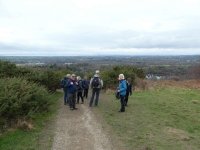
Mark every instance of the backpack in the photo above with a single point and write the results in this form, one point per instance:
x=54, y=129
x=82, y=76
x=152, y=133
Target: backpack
x=85, y=84
x=95, y=82
x=117, y=94
x=127, y=87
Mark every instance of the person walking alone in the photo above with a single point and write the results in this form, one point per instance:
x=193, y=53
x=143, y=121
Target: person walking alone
x=96, y=84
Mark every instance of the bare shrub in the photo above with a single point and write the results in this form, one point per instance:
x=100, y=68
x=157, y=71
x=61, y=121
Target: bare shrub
x=141, y=84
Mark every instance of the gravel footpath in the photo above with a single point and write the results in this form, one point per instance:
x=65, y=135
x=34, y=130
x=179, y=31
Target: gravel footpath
x=79, y=130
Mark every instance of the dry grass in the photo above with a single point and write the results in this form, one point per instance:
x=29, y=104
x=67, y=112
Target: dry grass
x=196, y=101
x=24, y=125
x=177, y=133
x=191, y=84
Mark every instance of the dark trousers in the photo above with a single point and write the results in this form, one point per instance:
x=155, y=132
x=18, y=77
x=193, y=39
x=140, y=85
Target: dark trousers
x=95, y=92
x=126, y=99
x=85, y=93
x=122, y=100
x=72, y=100
x=80, y=95
x=65, y=97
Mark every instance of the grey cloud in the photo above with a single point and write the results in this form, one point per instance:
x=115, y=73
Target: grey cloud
x=70, y=30
x=182, y=39
x=130, y=39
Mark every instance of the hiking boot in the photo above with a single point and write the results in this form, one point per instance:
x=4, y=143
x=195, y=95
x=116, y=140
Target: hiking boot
x=121, y=111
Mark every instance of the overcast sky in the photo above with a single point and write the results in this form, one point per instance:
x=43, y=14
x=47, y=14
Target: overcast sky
x=99, y=27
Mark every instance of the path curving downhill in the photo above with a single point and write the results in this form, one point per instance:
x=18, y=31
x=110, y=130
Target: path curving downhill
x=79, y=130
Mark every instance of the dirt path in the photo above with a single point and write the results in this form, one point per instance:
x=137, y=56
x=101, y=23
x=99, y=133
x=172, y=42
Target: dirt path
x=79, y=130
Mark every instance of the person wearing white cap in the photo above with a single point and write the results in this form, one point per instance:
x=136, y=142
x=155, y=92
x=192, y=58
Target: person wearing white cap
x=96, y=83
x=122, y=91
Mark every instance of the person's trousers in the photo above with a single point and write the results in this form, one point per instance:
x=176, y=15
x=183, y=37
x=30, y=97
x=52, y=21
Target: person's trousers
x=85, y=93
x=65, y=97
x=80, y=95
x=122, y=100
x=95, y=92
x=126, y=99
x=72, y=100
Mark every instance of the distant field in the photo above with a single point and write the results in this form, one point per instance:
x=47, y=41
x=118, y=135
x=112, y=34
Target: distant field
x=159, y=119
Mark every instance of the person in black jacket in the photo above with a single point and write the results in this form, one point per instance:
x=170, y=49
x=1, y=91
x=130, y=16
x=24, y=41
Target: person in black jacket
x=86, y=84
x=80, y=90
x=128, y=91
x=96, y=83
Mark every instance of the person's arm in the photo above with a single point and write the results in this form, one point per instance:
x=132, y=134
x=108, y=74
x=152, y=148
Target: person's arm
x=65, y=83
x=91, y=82
x=82, y=85
x=130, y=89
x=101, y=83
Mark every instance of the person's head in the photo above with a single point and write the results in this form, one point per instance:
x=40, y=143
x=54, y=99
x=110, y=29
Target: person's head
x=97, y=72
x=73, y=77
x=78, y=78
x=85, y=77
x=129, y=80
x=68, y=75
x=121, y=77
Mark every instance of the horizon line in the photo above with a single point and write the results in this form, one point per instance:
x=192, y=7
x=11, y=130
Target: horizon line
x=96, y=55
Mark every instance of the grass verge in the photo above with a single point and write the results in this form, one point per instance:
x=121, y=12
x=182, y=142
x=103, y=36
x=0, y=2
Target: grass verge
x=162, y=119
x=40, y=137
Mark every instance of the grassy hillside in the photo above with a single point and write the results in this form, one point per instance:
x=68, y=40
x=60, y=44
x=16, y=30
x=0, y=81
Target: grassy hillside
x=162, y=119
x=39, y=138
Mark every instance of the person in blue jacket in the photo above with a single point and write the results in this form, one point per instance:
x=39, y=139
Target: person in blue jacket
x=71, y=92
x=65, y=82
x=122, y=91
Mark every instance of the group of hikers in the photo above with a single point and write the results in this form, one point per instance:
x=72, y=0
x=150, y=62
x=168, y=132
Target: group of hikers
x=76, y=88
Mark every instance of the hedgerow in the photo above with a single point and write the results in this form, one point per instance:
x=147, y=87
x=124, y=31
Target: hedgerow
x=46, y=77
x=20, y=98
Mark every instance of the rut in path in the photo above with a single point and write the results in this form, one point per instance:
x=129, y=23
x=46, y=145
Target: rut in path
x=79, y=130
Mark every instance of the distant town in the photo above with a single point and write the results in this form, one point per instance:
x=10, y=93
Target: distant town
x=155, y=67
